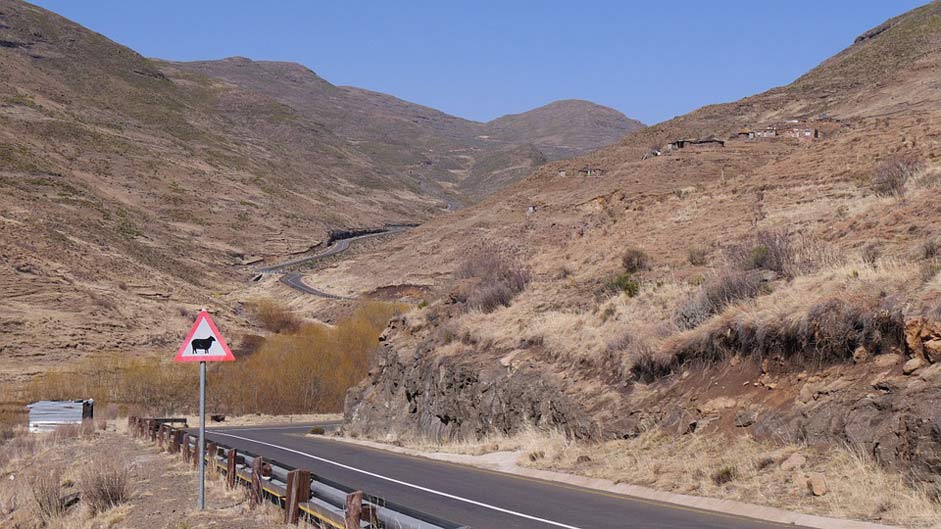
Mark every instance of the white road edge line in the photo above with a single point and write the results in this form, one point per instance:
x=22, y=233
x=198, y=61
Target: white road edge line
x=253, y=428
x=404, y=483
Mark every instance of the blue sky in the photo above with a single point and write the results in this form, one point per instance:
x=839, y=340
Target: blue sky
x=483, y=59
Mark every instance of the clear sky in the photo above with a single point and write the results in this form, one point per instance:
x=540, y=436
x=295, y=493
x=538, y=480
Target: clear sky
x=651, y=60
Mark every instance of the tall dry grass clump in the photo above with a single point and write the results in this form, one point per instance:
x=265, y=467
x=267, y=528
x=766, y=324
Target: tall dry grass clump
x=497, y=276
x=45, y=488
x=105, y=483
x=717, y=293
x=889, y=178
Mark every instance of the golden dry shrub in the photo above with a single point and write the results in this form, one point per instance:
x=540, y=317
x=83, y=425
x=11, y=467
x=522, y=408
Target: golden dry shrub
x=275, y=317
x=307, y=368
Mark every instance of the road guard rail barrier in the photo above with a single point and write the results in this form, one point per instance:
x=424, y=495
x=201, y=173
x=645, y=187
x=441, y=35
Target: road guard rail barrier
x=301, y=494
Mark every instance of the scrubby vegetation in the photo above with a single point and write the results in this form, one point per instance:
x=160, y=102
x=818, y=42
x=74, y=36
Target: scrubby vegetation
x=104, y=484
x=635, y=260
x=624, y=282
x=497, y=276
x=299, y=368
x=890, y=177
x=717, y=293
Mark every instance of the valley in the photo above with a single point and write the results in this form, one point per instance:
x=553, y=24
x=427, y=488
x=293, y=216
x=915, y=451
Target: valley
x=741, y=303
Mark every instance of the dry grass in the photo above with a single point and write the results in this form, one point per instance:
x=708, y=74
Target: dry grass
x=274, y=317
x=307, y=370
x=105, y=483
x=738, y=468
x=890, y=177
x=45, y=487
x=497, y=277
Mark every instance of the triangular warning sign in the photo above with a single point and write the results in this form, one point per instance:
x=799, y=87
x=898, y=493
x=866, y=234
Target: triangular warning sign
x=204, y=343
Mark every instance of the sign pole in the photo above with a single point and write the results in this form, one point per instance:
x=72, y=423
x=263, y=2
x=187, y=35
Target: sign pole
x=201, y=498
x=203, y=344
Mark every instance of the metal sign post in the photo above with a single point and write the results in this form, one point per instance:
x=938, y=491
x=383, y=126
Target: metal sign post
x=203, y=344
x=201, y=496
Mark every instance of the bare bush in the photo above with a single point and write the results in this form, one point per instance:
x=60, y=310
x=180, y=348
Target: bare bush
x=635, y=260
x=698, y=255
x=716, y=294
x=650, y=364
x=275, y=317
x=929, y=249
x=780, y=252
x=890, y=176
x=17, y=444
x=725, y=474
x=307, y=371
x=499, y=277
x=104, y=484
x=249, y=345
x=45, y=487
x=828, y=332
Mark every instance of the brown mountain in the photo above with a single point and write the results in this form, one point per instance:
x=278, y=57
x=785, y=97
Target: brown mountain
x=565, y=128
x=134, y=190
x=787, y=275
x=444, y=152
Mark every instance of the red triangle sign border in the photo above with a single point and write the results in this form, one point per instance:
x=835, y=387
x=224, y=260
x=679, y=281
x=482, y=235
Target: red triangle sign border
x=181, y=357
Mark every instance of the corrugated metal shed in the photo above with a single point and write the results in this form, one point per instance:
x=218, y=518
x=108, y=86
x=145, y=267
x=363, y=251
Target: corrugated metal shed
x=47, y=415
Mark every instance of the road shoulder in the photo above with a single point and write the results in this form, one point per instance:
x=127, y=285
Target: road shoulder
x=506, y=462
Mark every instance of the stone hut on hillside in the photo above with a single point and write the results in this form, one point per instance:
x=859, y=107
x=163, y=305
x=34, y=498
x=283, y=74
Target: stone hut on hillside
x=590, y=171
x=703, y=142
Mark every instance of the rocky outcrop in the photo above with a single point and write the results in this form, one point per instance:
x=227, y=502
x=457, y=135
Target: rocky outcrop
x=418, y=393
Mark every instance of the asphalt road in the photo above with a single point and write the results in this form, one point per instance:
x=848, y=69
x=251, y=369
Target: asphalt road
x=295, y=280
x=478, y=498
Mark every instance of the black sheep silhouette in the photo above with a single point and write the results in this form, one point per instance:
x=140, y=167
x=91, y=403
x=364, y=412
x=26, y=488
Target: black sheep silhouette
x=203, y=344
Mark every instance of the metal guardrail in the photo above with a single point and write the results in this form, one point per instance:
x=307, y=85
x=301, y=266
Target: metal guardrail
x=302, y=495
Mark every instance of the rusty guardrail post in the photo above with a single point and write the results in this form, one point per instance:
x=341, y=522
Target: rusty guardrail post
x=130, y=423
x=255, y=491
x=186, y=448
x=354, y=509
x=230, y=468
x=152, y=429
x=211, y=450
x=160, y=434
x=298, y=491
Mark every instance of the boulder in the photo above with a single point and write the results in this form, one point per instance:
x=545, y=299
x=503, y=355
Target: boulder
x=795, y=461
x=912, y=366
x=861, y=354
x=745, y=418
x=717, y=404
x=888, y=360
x=933, y=350
x=817, y=484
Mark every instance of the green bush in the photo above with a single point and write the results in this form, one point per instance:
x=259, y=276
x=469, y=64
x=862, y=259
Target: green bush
x=625, y=282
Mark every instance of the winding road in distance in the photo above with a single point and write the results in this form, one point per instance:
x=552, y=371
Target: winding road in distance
x=296, y=280
x=475, y=497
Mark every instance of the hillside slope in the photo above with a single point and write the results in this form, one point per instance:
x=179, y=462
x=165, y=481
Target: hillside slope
x=164, y=179
x=444, y=152
x=790, y=288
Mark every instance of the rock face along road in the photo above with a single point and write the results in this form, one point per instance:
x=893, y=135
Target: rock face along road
x=478, y=498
